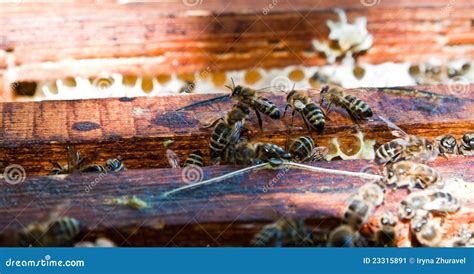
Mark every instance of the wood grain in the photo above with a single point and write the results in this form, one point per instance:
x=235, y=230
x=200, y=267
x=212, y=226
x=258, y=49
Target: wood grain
x=224, y=214
x=215, y=36
x=35, y=133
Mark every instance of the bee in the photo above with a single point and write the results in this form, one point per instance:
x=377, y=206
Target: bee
x=441, y=202
x=60, y=232
x=251, y=99
x=245, y=96
x=284, y=233
x=447, y=145
x=372, y=193
x=464, y=238
x=111, y=165
x=246, y=153
x=227, y=130
x=74, y=163
x=427, y=232
x=313, y=115
x=411, y=174
x=357, y=212
x=357, y=109
x=467, y=144
x=405, y=147
x=346, y=236
x=194, y=159
x=387, y=235
x=303, y=148
x=188, y=87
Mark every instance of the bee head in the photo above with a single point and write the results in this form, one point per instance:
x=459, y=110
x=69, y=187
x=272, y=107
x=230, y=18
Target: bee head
x=468, y=139
x=448, y=141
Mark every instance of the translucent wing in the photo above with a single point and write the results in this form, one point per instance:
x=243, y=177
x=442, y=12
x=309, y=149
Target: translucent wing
x=234, y=134
x=396, y=131
x=173, y=158
x=208, y=119
x=319, y=153
x=299, y=105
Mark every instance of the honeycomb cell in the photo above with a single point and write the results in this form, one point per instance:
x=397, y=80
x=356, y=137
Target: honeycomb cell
x=147, y=84
x=252, y=77
x=129, y=80
x=296, y=75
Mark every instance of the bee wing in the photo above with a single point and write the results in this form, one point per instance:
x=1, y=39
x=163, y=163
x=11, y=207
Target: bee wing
x=208, y=119
x=173, y=158
x=396, y=131
x=234, y=134
x=319, y=153
x=299, y=105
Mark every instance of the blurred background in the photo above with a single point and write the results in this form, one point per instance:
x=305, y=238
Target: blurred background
x=97, y=49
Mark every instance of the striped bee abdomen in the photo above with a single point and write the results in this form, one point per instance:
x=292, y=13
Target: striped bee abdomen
x=358, y=106
x=219, y=139
x=194, y=159
x=387, y=152
x=314, y=116
x=301, y=148
x=268, y=108
x=64, y=230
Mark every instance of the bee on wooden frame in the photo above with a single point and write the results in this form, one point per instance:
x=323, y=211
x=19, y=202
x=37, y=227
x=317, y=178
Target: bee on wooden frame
x=248, y=153
x=195, y=158
x=248, y=97
x=447, y=145
x=466, y=147
x=411, y=174
x=284, y=233
x=52, y=231
x=355, y=107
x=303, y=149
x=386, y=235
x=74, y=163
x=312, y=114
x=111, y=165
x=404, y=147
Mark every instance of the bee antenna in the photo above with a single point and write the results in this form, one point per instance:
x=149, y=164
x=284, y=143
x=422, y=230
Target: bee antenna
x=233, y=84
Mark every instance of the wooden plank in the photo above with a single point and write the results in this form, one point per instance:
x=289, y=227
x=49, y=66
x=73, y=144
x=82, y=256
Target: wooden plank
x=223, y=214
x=155, y=38
x=137, y=128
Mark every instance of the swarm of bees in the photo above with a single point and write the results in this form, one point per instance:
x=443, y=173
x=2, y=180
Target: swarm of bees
x=403, y=162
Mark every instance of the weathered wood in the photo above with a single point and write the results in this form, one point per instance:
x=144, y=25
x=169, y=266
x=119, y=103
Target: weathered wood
x=215, y=36
x=223, y=214
x=33, y=134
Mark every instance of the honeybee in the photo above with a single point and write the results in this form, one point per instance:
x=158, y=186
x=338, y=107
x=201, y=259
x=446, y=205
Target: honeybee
x=250, y=98
x=427, y=232
x=245, y=152
x=405, y=147
x=387, y=235
x=74, y=163
x=357, y=109
x=346, y=236
x=447, y=145
x=303, y=149
x=440, y=202
x=467, y=144
x=411, y=174
x=111, y=165
x=372, y=193
x=284, y=233
x=194, y=159
x=227, y=129
x=357, y=212
x=312, y=114
x=245, y=96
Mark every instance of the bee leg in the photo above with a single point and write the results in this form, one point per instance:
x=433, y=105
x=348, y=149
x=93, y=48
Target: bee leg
x=289, y=130
x=286, y=108
x=259, y=118
x=306, y=123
